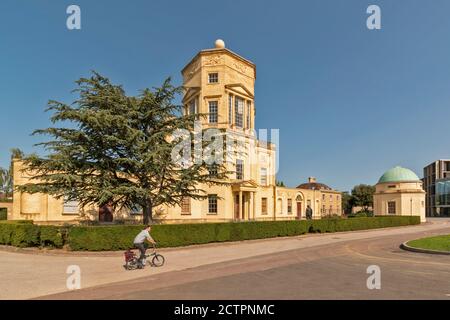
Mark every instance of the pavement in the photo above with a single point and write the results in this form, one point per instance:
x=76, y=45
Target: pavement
x=318, y=266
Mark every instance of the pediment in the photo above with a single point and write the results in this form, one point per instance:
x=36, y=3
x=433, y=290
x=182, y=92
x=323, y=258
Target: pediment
x=239, y=88
x=245, y=184
x=190, y=92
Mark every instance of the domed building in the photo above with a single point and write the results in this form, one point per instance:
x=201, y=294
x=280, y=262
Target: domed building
x=399, y=192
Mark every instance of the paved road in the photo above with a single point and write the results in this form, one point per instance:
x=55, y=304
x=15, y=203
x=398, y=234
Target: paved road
x=331, y=266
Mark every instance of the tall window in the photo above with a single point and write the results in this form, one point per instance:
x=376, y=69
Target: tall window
x=193, y=106
x=212, y=204
x=264, y=176
x=186, y=206
x=323, y=197
x=249, y=106
x=213, y=77
x=239, y=112
x=391, y=207
x=289, y=206
x=230, y=109
x=212, y=111
x=264, y=206
x=239, y=169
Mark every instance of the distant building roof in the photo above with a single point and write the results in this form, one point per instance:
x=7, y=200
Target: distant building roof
x=312, y=184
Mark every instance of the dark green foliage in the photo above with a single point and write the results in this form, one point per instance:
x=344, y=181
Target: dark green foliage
x=120, y=237
x=52, y=236
x=3, y=214
x=101, y=238
x=25, y=235
x=19, y=234
x=98, y=238
x=362, y=196
x=118, y=149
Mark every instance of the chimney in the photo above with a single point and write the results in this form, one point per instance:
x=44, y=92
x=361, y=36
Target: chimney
x=312, y=180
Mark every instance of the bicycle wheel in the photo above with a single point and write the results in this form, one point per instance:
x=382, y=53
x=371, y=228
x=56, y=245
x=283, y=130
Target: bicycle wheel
x=132, y=264
x=158, y=260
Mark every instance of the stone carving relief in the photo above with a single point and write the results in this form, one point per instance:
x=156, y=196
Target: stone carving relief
x=192, y=70
x=213, y=60
x=240, y=67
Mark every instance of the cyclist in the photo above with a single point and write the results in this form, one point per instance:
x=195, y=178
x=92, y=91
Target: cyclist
x=139, y=242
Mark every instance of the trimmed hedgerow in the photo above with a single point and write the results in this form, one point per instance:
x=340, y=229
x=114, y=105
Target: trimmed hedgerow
x=52, y=236
x=99, y=238
x=120, y=237
x=19, y=234
x=3, y=214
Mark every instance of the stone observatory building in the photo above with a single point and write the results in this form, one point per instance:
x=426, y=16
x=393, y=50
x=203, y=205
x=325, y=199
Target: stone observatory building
x=399, y=192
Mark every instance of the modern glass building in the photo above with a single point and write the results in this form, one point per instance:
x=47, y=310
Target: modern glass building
x=443, y=197
x=436, y=177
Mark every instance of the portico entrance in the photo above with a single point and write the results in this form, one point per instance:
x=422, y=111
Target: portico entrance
x=244, y=195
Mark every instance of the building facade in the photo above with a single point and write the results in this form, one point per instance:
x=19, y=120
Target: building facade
x=221, y=84
x=399, y=191
x=436, y=181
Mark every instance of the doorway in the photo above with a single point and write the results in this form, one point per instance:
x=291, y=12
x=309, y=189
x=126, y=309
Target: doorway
x=299, y=210
x=105, y=213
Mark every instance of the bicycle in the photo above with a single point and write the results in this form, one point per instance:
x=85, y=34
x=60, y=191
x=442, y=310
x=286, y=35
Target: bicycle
x=132, y=259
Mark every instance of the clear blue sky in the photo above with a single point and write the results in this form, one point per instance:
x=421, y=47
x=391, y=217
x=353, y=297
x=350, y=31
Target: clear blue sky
x=349, y=102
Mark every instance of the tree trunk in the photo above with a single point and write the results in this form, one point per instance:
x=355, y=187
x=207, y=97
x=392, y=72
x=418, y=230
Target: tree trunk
x=148, y=212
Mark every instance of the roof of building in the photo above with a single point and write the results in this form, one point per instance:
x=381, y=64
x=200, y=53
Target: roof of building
x=398, y=174
x=220, y=47
x=313, y=186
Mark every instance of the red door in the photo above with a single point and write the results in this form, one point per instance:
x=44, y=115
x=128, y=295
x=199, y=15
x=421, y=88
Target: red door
x=299, y=210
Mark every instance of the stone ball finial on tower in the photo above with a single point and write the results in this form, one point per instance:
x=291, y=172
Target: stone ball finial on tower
x=220, y=44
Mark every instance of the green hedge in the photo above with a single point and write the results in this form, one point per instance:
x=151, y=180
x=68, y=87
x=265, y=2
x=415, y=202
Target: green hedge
x=52, y=236
x=19, y=234
x=120, y=237
x=98, y=238
x=3, y=214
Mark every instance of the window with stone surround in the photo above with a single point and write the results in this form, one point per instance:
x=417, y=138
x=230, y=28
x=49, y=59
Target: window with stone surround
x=264, y=206
x=391, y=207
x=186, y=206
x=213, y=77
x=213, y=109
x=239, y=112
x=212, y=204
x=230, y=109
x=239, y=169
x=264, y=176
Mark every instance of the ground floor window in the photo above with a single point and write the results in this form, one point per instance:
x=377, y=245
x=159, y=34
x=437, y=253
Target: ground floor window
x=264, y=206
x=391, y=207
x=212, y=204
x=289, y=206
x=186, y=206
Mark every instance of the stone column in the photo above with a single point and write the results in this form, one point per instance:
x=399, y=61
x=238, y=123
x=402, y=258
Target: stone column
x=241, y=213
x=251, y=207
